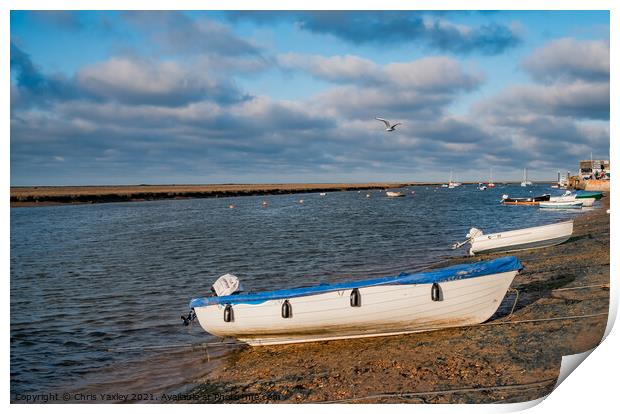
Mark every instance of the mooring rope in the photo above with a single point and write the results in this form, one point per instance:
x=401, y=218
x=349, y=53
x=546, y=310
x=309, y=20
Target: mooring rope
x=604, y=285
x=441, y=392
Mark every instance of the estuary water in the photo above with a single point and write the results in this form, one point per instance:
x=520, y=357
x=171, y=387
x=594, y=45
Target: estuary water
x=97, y=290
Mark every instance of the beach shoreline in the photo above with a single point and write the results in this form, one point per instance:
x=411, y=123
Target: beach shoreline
x=42, y=196
x=561, y=309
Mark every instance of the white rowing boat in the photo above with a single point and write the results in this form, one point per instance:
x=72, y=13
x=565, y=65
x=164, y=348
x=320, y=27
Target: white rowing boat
x=459, y=295
x=568, y=196
x=570, y=204
x=514, y=240
x=394, y=194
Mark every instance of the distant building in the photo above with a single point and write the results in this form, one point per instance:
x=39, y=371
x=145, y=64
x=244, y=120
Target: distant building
x=594, y=169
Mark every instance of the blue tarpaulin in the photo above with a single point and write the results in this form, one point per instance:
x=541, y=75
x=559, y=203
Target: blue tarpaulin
x=457, y=272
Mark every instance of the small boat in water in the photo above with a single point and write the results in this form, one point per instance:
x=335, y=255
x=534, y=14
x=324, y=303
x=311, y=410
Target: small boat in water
x=514, y=240
x=597, y=195
x=569, y=204
x=394, y=194
x=460, y=295
x=525, y=200
x=568, y=196
x=525, y=181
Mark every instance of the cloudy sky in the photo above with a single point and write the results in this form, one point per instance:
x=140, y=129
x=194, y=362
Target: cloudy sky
x=220, y=97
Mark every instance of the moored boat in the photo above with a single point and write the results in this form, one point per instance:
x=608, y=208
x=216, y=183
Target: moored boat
x=597, y=195
x=568, y=204
x=525, y=200
x=460, y=295
x=568, y=196
x=515, y=240
x=394, y=194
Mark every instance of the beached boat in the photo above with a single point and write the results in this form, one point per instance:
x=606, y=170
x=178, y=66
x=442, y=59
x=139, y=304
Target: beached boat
x=394, y=194
x=597, y=195
x=525, y=200
x=460, y=295
x=569, y=204
x=514, y=240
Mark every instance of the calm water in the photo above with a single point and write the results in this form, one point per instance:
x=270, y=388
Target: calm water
x=97, y=290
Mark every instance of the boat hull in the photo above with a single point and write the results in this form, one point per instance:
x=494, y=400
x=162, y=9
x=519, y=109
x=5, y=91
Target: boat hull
x=385, y=310
x=526, y=200
x=561, y=205
x=597, y=195
x=522, y=239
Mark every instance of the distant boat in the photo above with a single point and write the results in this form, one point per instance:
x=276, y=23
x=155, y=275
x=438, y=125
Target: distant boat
x=525, y=200
x=459, y=295
x=394, y=194
x=481, y=187
x=572, y=204
x=525, y=182
x=322, y=194
x=452, y=183
x=514, y=240
x=490, y=183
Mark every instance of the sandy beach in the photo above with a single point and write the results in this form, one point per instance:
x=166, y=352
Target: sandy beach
x=563, y=299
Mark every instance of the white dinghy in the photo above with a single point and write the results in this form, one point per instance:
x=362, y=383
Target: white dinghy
x=515, y=240
x=574, y=204
x=394, y=194
x=459, y=295
x=568, y=196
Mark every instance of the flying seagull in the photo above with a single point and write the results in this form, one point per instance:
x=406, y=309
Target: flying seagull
x=388, y=127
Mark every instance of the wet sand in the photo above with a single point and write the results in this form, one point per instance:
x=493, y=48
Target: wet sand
x=508, y=359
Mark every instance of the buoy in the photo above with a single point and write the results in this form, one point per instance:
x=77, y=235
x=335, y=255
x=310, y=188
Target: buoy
x=287, y=310
x=231, y=206
x=228, y=313
x=265, y=204
x=356, y=298
x=436, y=293
x=301, y=201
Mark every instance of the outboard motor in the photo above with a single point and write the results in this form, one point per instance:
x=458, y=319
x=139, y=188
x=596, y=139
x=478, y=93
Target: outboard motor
x=227, y=285
x=473, y=233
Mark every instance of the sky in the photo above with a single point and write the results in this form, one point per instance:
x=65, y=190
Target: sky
x=165, y=97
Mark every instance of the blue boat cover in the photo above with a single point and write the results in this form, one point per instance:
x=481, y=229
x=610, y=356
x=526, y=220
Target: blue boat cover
x=589, y=193
x=457, y=272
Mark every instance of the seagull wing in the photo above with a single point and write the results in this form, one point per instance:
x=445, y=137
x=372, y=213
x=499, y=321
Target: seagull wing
x=387, y=124
x=398, y=123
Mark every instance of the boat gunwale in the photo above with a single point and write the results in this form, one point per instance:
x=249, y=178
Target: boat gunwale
x=451, y=273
